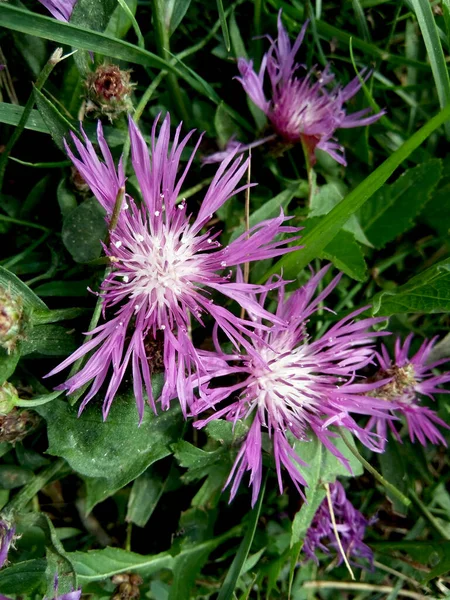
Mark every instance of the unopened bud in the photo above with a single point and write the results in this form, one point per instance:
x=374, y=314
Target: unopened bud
x=11, y=313
x=16, y=425
x=8, y=398
x=109, y=92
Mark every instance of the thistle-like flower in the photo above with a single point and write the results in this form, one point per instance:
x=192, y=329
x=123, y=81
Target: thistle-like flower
x=7, y=533
x=350, y=524
x=305, y=110
x=293, y=387
x=60, y=9
x=409, y=379
x=108, y=92
x=164, y=269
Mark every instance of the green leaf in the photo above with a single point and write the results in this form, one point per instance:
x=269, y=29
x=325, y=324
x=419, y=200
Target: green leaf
x=66, y=198
x=98, y=565
x=226, y=432
x=428, y=292
x=224, y=26
x=8, y=363
x=26, y=577
x=328, y=227
x=83, y=229
x=195, y=459
x=94, y=15
x=10, y=114
x=229, y=584
x=51, y=340
x=394, y=469
x=57, y=124
x=437, y=214
x=225, y=125
x=109, y=454
x=120, y=23
x=392, y=210
x=144, y=496
x=322, y=467
x=17, y=288
x=12, y=477
x=435, y=53
x=174, y=12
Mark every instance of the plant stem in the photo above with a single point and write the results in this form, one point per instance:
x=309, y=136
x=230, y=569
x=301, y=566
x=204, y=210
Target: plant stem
x=163, y=45
x=361, y=587
x=427, y=514
x=30, y=490
x=395, y=491
x=336, y=533
x=40, y=82
x=312, y=179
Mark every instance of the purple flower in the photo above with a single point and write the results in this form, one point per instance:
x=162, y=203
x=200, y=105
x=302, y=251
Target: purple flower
x=6, y=537
x=302, y=109
x=293, y=387
x=350, y=524
x=164, y=269
x=409, y=379
x=60, y=9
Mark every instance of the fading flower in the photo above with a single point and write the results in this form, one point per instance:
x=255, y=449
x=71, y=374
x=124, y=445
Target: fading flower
x=409, y=379
x=7, y=533
x=60, y=9
x=350, y=524
x=164, y=269
x=108, y=91
x=294, y=388
x=307, y=109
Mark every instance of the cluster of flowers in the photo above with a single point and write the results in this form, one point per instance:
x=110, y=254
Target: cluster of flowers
x=166, y=265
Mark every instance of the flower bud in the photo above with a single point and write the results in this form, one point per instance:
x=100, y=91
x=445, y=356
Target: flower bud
x=16, y=425
x=108, y=92
x=11, y=313
x=8, y=398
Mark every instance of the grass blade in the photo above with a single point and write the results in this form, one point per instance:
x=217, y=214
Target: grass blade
x=223, y=24
x=322, y=234
x=433, y=45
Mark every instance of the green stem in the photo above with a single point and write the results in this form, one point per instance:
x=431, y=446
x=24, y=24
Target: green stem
x=395, y=491
x=24, y=223
x=429, y=516
x=312, y=179
x=30, y=490
x=163, y=46
x=40, y=82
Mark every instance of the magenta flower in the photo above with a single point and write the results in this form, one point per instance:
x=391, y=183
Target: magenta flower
x=305, y=109
x=410, y=378
x=350, y=524
x=6, y=538
x=293, y=387
x=60, y=9
x=164, y=269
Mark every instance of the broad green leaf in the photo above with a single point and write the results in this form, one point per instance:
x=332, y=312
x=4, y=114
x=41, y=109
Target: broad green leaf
x=12, y=477
x=394, y=469
x=328, y=227
x=437, y=214
x=8, y=363
x=98, y=565
x=63, y=288
x=120, y=23
x=10, y=114
x=109, y=454
x=83, y=229
x=237, y=43
x=17, y=288
x=51, y=340
x=197, y=461
x=435, y=53
x=66, y=198
x=226, y=432
x=229, y=584
x=392, y=210
x=26, y=577
x=225, y=125
x=94, y=15
x=144, y=496
x=322, y=467
x=57, y=124
x=428, y=292
x=346, y=255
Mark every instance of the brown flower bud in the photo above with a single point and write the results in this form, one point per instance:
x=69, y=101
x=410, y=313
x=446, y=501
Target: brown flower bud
x=108, y=91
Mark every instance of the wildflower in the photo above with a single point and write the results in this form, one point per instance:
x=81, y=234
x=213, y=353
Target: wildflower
x=60, y=9
x=302, y=109
x=108, y=91
x=350, y=524
x=164, y=269
x=7, y=532
x=293, y=387
x=410, y=378
x=11, y=320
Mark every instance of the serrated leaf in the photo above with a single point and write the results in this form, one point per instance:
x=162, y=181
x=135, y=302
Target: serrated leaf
x=322, y=467
x=393, y=209
x=428, y=292
x=109, y=454
x=83, y=229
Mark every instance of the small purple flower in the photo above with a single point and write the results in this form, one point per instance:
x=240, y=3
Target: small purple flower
x=6, y=537
x=60, y=9
x=409, y=379
x=293, y=387
x=350, y=524
x=302, y=109
x=164, y=270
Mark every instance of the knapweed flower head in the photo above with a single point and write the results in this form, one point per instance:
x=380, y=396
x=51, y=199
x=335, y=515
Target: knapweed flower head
x=350, y=524
x=165, y=267
x=409, y=379
x=293, y=387
x=60, y=9
x=7, y=533
x=108, y=92
x=11, y=319
x=305, y=109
